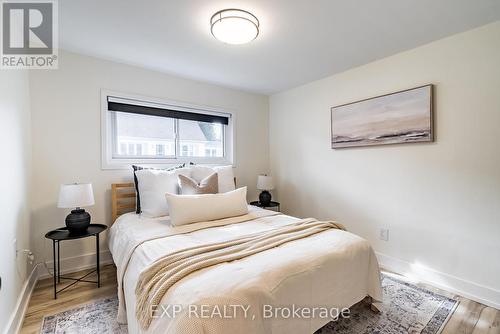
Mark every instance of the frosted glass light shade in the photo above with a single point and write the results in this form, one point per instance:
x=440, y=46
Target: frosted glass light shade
x=234, y=26
x=75, y=195
x=265, y=182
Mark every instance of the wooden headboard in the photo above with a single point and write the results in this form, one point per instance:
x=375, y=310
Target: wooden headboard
x=123, y=199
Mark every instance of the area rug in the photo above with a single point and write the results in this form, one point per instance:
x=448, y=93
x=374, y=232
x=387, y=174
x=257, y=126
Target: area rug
x=406, y=309
x=98, y=317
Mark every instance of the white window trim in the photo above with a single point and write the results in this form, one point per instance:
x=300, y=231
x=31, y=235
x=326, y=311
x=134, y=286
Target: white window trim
x=107, y=160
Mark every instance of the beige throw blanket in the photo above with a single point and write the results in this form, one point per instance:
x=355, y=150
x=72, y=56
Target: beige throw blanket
x=155, y=280
x=132, y=231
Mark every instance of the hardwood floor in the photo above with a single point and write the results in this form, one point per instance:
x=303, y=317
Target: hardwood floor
x=469, y=317
x=42, y=301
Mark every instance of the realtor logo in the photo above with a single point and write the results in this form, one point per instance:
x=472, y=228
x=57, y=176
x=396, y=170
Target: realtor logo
x=29, y=35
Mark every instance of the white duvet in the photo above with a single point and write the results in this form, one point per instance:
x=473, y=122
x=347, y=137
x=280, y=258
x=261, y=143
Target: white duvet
x=332, y=269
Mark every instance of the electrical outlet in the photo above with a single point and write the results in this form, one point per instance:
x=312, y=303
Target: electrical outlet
x=14, y=243
x=384, y=234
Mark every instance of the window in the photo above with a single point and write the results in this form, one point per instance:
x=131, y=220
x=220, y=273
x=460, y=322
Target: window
x=134, y=130
x=149, y=132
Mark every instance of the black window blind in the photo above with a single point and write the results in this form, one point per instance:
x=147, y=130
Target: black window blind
x=165, y=112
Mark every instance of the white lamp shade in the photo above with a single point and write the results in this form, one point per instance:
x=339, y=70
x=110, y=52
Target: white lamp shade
x=75, y=195
x=265, y=182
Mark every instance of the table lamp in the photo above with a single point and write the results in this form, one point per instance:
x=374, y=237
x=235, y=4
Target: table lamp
x=75, y=196
x=265, y=183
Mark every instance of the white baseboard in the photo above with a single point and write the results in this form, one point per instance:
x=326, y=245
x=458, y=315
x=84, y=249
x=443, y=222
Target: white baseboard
x=75, y=263
x=17, y=317
x=476, y=292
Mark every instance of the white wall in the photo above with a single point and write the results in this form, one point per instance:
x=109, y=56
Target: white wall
x=15, y=145
x=441, y=201
x=67, y=141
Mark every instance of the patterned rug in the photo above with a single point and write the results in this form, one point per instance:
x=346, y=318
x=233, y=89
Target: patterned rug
x=98, y=317
x=406, y=309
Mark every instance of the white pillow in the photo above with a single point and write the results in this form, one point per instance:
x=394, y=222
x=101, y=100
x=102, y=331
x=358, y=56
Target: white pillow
x=225, y=175
x=226, y=178
x=187, y=209
x=153, y=184
x=199, y=173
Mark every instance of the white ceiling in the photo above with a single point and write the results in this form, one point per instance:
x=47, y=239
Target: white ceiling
x=300, y=40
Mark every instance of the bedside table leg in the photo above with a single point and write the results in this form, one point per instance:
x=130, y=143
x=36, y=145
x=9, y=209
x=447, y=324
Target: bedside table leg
x=58, y=262
x=97, y=261
x=55, y=268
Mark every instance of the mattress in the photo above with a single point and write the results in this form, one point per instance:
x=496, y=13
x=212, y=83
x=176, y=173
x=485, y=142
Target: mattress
x=330, y=270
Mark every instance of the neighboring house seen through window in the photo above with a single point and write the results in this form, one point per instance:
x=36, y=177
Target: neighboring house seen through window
x=158, y=133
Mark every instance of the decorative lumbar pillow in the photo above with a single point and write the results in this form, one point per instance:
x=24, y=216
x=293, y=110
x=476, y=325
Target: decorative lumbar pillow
x=136, y=182
x=152, y=185
x=209, y=185
x=225, y=175
x=187, y=209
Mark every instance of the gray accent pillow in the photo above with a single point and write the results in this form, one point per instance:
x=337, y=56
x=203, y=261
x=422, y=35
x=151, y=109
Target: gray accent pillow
x=209, y=185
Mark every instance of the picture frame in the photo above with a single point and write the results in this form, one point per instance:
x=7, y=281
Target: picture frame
x=401, y=117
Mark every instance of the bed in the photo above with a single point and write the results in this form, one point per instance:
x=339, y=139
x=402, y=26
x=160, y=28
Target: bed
x=331, y=270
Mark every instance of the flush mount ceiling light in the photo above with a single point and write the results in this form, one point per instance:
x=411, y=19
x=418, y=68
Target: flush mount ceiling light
x=234, y=26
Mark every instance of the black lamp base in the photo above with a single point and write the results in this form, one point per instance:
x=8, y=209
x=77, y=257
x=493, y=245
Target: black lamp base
x=78, y=221
x=265, y=198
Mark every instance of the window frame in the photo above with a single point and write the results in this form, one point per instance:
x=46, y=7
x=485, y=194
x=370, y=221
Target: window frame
x=108, y=133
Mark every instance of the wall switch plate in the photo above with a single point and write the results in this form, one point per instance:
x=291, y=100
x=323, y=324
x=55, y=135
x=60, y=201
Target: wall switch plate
x=384, y=234
x=14, y=243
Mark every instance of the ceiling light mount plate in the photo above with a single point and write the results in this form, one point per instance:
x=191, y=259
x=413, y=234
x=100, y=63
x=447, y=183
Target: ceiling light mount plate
x=234, y=26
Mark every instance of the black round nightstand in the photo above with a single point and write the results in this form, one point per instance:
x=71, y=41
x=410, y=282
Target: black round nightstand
x=271, y=205
x=62, y=234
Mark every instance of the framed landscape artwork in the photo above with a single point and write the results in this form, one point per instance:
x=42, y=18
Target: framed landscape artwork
x=401, y=117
